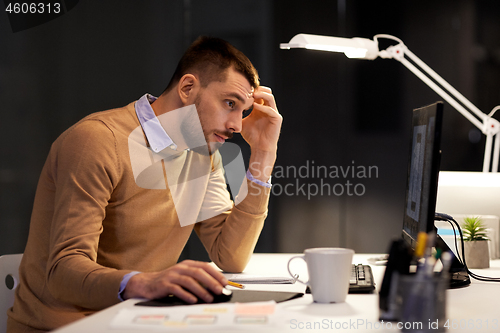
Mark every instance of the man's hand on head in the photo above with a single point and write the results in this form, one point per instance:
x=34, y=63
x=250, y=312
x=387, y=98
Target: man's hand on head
x=261, y=129
x=188, y=280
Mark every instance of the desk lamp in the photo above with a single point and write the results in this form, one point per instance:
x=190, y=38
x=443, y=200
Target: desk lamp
x=363, y=48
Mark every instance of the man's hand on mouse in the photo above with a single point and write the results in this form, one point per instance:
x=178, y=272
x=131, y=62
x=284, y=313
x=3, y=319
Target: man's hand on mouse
x=188, y=280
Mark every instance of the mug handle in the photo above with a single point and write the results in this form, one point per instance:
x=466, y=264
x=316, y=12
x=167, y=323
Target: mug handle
x=295, y=276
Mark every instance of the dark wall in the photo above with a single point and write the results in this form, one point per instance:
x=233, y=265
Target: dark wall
x=340, y=110
x=337, y=111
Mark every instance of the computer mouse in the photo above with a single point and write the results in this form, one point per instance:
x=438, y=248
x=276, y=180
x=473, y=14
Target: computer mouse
x=172, y=300
x=224, y=297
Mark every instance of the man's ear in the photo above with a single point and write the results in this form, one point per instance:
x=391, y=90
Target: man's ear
x=187, y=88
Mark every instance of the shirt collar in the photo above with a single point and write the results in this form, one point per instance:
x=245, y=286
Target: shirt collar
x=157, y=137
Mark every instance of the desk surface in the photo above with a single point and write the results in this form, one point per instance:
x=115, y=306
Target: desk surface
x=470, y=309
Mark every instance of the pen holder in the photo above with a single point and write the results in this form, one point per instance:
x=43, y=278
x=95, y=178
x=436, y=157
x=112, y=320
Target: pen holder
x=423, y=302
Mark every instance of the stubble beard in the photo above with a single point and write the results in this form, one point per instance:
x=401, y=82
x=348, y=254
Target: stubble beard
x=212, y=146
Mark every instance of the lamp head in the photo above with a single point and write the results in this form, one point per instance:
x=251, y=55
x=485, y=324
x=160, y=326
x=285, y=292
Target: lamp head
x=361, y=48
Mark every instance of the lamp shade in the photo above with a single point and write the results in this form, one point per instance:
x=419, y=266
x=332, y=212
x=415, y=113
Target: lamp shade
x=361, y=48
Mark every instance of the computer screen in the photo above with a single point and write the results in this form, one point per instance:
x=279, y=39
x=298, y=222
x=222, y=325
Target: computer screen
x=423, y=171
x=422, y=184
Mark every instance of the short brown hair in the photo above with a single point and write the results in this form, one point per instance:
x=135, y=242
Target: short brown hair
x=210, y=57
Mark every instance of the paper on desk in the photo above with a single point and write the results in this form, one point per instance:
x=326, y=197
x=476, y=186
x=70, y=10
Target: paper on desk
x=249, y=279
x=200, y=317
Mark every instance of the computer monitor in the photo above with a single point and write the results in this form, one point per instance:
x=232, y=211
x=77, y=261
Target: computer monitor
x=422, y=183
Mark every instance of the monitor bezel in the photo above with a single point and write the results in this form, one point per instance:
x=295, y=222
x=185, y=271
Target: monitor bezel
x=458, y=273
x=425, y=116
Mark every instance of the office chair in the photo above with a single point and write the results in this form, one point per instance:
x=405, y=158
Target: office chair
x=9, y=280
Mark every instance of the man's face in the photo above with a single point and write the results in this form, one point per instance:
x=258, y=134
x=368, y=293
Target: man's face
x=220, y=108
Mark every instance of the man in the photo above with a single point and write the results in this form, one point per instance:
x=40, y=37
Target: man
x=106, y=226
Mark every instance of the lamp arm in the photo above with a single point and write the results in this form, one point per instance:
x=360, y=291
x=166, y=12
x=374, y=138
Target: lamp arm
x=446, y=85
x=496, y=153
x=443, y=94
x=368, y=49
x=488, y=125
x=398, y=52
x=495, y=109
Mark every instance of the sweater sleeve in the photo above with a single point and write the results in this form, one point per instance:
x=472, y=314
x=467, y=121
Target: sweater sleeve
x=230, y=237
x=85, y=171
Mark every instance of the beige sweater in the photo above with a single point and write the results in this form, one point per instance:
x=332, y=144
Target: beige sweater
x=91, y=224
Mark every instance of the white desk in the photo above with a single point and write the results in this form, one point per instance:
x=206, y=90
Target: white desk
x=476, y=304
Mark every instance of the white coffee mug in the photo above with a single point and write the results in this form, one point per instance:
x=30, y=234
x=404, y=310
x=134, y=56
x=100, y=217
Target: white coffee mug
x=329, y=271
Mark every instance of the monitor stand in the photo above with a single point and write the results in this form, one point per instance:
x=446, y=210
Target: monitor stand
x=458, y=273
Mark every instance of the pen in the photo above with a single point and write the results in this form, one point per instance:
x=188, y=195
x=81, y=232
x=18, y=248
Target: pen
x=234, y=284
x=421, y=244
x=431, y=239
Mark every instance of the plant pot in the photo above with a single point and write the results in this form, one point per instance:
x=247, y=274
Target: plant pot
x=477, y=254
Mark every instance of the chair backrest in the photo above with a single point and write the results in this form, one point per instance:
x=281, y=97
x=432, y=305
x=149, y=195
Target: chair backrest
x=9, y=280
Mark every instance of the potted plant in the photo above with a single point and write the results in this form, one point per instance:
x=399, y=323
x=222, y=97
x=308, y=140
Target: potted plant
x=475, y=243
